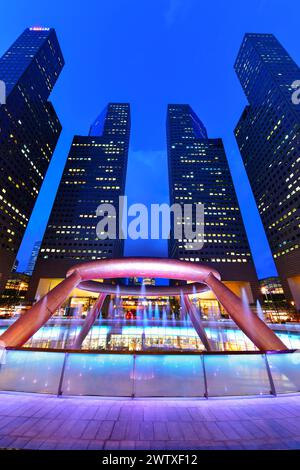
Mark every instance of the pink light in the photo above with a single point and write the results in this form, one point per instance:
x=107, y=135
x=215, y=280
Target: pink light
x=39, y=28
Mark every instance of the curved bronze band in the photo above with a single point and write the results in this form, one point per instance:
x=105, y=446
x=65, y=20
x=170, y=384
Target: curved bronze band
x=144, y=267
x=142, y=291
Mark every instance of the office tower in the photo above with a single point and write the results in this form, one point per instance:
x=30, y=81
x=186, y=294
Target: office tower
x=14, y=292
x=29, y=130
x=199, y=173
x=268, y=137
x=94, y=174
x=33, y=258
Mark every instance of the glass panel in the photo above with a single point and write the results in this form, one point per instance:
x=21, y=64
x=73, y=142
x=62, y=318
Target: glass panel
x=285, y=370
x=228, y=339
x=54, y=335
x=169, y=375
x=234, y=374
x=2, y=329
x=26, y=371
x=98, y=374
x=97, y=337
x=290, y=339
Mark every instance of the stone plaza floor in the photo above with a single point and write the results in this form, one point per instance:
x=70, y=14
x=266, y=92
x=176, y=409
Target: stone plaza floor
x=46, y=422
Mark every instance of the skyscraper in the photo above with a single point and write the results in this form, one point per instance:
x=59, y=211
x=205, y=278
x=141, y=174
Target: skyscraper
x=29, y=130
x=268, y=135
x=94, y=174
x=199, y=172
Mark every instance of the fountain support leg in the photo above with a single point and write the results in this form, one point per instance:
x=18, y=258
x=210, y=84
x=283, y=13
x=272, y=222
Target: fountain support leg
x=89, y=321
x=260, y=334
x=196, y=321
x=29, y=323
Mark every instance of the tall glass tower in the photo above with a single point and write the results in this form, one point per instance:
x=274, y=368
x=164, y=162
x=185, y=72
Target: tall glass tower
x=268, y=135
x=94, y=174
x=199, y=173
x=29, y=131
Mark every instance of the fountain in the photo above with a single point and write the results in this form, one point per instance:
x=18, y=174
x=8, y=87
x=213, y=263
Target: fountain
x=164, y=317
x=145, y=317
x=156, y=312
x=150, y=310
x=168, y=307
x=245, y=299
x=110, y=309
x=260, y=312
x=182, y=306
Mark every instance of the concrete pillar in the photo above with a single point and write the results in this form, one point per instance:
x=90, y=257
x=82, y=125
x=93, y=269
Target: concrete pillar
x=196, y=321
x=260, y=334
x=89, y=321
x=29, y=323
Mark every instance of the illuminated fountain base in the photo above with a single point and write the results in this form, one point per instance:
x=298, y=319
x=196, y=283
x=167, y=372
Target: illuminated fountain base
x=130, y=336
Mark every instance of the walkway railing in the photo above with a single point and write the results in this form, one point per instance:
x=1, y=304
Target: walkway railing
x=145, y=375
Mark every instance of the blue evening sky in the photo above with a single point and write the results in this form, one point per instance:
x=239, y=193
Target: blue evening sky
x=151, y=53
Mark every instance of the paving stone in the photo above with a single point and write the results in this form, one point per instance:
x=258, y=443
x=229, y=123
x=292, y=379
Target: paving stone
x=160, y=430
x=174, y=431
x=119, y=431
x=112, y=445
x=91, y=429
x=105, y=430
x=228, y=429
x=34, y=444
x=215, y=432
x=78, y=429
x=80, y=445
x=146, y=431
x=64, y=445
x=158, y=445
x=127, y=445
x=142, y=445
x=96, y=445
x=234, y=445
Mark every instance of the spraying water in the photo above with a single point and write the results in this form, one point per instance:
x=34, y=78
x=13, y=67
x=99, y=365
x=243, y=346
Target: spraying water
x=182, y=306
x=168, y=307
x=110, y=309
x=245, y=299
x=260, y=312
x=164, y=317
x=145, y=318
x=150, y=310
x=156, y=312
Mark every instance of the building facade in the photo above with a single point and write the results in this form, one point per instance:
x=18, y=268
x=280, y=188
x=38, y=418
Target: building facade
x=14, y=292
x=199, y=173
x=268, y=135
x=94, y=174
x=29, y=131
